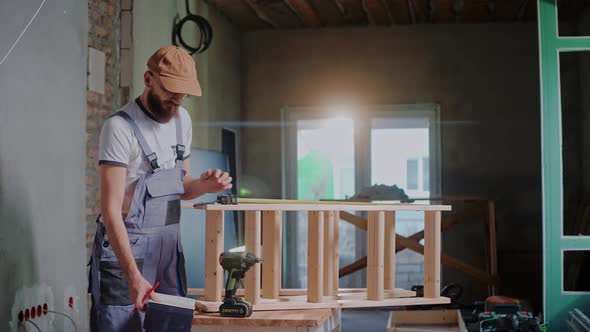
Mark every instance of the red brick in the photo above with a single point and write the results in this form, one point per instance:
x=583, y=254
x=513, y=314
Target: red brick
x=100, y=32
x=126, y=4
x=103, y=20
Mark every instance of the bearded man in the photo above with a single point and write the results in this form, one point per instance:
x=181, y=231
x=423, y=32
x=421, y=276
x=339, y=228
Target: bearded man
x=144, y=174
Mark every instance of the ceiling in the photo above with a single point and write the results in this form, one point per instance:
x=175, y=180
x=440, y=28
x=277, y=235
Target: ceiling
x=300, y=14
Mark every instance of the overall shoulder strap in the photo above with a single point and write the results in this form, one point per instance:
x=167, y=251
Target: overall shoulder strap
x=153, y=159
x=179, y=146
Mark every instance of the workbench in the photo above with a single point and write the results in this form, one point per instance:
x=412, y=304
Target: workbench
x=265, y=217
x=317, y=320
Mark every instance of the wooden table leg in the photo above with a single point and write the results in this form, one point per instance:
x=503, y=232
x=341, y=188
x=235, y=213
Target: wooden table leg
x=315, y=256
x=390, y=250
x=432, y=254
x=252, y=235
x=213, y=248
x=272, y=239
x=328, y=252
x=336, y=254
x=375, y=255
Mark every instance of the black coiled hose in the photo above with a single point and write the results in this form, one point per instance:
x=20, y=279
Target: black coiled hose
x=204, y=27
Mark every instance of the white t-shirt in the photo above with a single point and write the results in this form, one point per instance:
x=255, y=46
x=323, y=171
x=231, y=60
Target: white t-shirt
x=119, y=146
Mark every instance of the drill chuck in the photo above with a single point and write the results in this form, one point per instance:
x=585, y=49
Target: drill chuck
x=238, y=260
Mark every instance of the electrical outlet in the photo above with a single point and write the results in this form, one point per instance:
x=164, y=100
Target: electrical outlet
x=71, y=308
x=29, y=304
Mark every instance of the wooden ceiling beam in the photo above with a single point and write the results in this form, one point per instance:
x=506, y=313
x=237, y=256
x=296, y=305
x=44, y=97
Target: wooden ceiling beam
x=377, y=12
x=412, y=11
x=431, y=10
x=522, y=10
x=260, y=13
x=458, y=6
x=340, y=7
x=492, y=9
x=389, y=11
x=305, y=12
x=368, y=13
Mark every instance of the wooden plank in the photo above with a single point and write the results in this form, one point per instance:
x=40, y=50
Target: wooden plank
x=368, y=13
x=213, y=248
x=336, y=254
x=353, y=267
x=319, y=207
x=448, y=261
x=252, y=235
x=331, y=202
x=424, y=317
x=426, y=321
x=432, y=254
x=359, y=222
x=424, y=328
x=376, y=12
x=315, y=256
x=375, y=255
x=272, y=239
x=261, y=13
x=340, y=7
x=412, y=11
x=329, y=245
x=276, y=319
x=359, y=300
x=389, y=264
x=254, y=204
x=398, y=292
x=305, y=12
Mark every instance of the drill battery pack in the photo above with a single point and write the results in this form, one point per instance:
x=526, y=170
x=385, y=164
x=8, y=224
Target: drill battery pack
x=238, y=308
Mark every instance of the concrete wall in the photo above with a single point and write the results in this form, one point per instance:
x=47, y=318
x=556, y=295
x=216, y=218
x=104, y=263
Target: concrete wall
x=485, y=78
x=42, y=157
x=218, y=68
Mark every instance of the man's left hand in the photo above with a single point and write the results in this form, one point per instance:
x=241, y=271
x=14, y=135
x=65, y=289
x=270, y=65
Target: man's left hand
x=215, y=180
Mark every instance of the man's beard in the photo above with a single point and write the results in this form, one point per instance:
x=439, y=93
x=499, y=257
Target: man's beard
x=163, y=111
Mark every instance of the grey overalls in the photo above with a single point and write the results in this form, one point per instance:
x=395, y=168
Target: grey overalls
x=153, y=226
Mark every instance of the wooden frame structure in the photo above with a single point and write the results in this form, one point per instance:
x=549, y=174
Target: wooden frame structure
x=469, y=209
x=265, y=217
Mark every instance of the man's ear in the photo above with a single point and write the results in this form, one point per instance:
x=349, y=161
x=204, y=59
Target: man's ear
x=147, y=79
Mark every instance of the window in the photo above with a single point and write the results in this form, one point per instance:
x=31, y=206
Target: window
x=412, y=174
x=331, y=155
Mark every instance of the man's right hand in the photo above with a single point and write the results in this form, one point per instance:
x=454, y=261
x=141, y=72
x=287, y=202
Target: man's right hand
x=138, y=288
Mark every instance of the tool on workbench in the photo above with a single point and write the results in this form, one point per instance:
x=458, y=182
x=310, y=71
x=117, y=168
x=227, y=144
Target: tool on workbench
x=507, y=317
x=230, y=199
x=236, y=263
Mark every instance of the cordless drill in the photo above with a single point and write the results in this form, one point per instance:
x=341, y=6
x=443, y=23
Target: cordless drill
x=236, y=263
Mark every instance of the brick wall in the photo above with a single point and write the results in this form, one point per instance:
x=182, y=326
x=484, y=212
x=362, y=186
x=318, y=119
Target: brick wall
x=106, y=19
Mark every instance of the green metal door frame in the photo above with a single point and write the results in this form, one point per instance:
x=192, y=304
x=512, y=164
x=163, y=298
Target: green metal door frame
x=556, y=301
